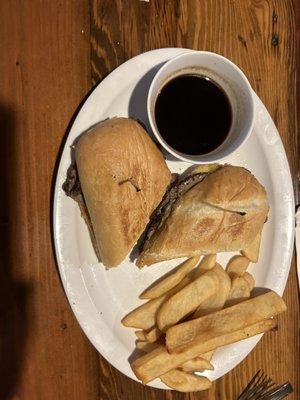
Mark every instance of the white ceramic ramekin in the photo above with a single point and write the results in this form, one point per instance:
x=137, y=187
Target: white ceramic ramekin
x=233, y=81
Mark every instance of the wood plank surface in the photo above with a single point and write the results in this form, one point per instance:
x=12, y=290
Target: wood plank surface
x=45, y=72
x=52, y=52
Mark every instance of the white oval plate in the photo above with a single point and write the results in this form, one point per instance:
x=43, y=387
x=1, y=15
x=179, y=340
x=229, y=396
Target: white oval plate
x=100, y=298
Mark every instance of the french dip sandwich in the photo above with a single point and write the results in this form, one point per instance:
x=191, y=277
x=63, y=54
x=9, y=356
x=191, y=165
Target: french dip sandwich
x=123, y=187
x=119, y=178
x=217, y=208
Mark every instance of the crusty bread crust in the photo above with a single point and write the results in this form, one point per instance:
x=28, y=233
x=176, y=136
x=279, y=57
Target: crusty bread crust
x=123, y=177
x=224, y=212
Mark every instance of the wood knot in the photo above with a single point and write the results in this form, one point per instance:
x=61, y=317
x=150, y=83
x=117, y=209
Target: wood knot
x=63, y=326
x=242, y=40
x=275, y=40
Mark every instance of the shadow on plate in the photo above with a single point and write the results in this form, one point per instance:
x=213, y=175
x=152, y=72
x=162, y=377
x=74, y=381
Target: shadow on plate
x=137, y=107
x=135, y=355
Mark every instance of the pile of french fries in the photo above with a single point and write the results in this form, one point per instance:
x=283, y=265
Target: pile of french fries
x=197, y=308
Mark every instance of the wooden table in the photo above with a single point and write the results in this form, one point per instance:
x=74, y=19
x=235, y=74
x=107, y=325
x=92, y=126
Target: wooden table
x=52, y=53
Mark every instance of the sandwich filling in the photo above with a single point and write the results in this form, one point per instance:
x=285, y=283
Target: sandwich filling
x=176, y=189
x=72, y=188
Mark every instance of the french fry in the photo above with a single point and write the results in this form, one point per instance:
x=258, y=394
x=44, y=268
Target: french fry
x=185, y=382
x=144, y=316
x=197, y=364
x=237, y=265
x=141, y=335
x=160, y=361
x=145, y=346
x=217, y=300
x=252, y=251
x=231, y=319
x=250, y=280
x=171, y=280
x=153, y=335
x=207, y=263
x=239, y=291
x=208, y=356
x=187, y=300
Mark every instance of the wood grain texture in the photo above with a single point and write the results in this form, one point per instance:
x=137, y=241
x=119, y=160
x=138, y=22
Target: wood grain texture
x=45, y=72
x=297, y=21
x=259, y=36
x=52, y=52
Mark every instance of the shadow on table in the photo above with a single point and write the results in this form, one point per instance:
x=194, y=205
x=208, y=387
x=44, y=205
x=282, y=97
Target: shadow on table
x=14, y=294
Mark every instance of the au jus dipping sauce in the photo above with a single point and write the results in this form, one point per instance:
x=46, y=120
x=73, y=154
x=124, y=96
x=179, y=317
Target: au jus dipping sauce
x=193, y=114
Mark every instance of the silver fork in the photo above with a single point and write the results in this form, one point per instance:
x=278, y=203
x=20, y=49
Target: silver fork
x=263, y=388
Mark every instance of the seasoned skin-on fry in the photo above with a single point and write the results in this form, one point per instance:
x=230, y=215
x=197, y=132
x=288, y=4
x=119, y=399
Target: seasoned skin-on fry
x=171, y=280
x=197, y=364
x=141, y=335
x=153, y=335
x=207, y=263
x=160, y=361
x=145, y=346
x=218, y=299
x=252, y=251
x=208, y=356
x=144, y=316
x=237, y=265
x=250, y=280
x=219, y=323
x=185, y=382
x=239, y=291
x=187, y=300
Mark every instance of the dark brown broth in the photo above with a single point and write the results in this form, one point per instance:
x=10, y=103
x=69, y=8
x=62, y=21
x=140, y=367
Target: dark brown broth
x=193, y=114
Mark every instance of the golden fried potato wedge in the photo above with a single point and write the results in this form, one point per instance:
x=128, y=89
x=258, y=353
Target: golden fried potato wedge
x=250, y=280
x=185, y=382
x=207, y=263
x=231, y=319
x=208, y=356
x=153, y=335
x=218, y=299
x=145, y=346
x=171, y=280
x=144, y=316
x=141, y=335
x=239, y=291
x=187, y=300
x=237, y=265
x=197, y=364
x=160, y=361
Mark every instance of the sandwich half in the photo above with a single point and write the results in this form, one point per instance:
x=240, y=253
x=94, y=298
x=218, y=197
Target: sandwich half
x=218, y=208
x=119, y=178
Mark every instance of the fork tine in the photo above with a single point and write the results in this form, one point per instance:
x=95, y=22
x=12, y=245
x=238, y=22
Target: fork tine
x=253, y=392
x=266, y=385
x=256, y=392
x=243, y=395
x=256, y=387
